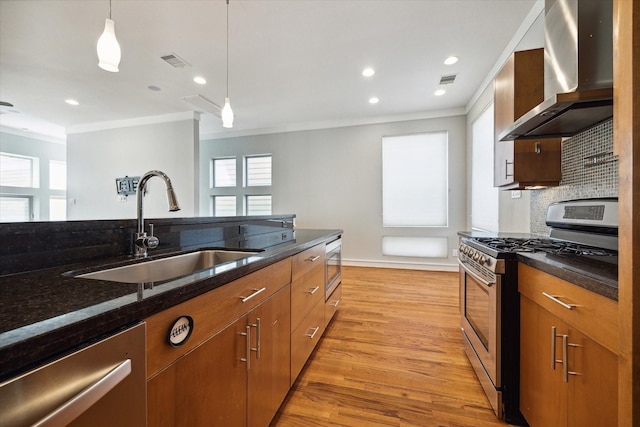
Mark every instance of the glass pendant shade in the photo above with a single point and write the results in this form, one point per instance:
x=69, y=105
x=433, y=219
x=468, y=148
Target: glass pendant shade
x=227, y=114
x=108, y=48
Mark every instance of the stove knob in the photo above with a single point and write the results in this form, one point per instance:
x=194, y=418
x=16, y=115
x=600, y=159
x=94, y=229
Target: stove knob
x=461, y=247
x=482, y=260
x=476, y=256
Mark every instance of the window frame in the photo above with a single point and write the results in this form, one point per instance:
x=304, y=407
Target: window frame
x=243, y=192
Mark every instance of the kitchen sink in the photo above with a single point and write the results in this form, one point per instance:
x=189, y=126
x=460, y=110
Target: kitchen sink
x=167, y=268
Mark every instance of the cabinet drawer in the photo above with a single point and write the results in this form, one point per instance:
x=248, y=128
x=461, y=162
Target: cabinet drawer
x=211, y=312
x=305, y=261
x=304, y=339
x=595, y=315
x=332, y=304
x=306, y=291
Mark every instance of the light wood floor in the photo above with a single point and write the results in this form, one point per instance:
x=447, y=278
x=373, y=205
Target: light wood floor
x=392, y=356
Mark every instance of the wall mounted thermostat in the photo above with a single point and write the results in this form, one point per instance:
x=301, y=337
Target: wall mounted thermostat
x=127, y=185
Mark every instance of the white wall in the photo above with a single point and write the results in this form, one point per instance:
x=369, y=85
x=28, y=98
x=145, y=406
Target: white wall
x=96, y=158
x=332, y=178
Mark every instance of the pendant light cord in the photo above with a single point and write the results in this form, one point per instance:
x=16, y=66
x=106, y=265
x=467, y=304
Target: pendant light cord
x=109, y=9
x=227, y=48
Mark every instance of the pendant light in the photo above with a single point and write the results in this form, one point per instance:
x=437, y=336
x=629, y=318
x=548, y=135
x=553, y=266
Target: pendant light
x=108, y=47
x=227, y=112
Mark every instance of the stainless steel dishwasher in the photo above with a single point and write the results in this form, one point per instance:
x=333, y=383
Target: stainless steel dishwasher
x=102, y=384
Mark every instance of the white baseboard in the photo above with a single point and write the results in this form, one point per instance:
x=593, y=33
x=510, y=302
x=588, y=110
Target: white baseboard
x=401, y=265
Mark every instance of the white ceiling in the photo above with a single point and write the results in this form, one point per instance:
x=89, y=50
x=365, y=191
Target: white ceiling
x=293, y=64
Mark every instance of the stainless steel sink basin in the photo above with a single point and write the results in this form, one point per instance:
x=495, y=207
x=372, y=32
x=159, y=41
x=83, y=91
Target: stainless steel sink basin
x=167, y=268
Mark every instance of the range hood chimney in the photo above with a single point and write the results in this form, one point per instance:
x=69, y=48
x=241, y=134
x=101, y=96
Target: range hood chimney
x=578, y=71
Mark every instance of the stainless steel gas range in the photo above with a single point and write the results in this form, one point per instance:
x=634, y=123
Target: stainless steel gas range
x=489, y=301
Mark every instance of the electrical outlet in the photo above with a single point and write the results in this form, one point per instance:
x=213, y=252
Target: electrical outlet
x=121, y=198
x=516, y=194
x=454, y=253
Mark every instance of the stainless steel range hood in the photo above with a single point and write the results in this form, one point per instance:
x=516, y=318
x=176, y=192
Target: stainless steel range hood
x=578, y=71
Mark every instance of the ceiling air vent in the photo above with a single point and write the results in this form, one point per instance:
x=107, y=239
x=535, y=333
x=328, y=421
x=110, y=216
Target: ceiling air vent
x=175, y=61
x=446, y=80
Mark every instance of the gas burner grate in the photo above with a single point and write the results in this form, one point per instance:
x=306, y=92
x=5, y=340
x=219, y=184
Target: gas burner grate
x=555, y=247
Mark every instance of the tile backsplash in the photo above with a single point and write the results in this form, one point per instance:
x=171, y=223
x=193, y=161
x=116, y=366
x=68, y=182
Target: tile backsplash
x=589, y=169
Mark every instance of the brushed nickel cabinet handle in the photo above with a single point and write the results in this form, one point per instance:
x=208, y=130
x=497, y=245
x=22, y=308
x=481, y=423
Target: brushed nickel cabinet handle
x=506, y=169
x=313, y=334
x=256, y=292
x=335, y=305
x=313, y=259
x=555, y=298
x=565, y=355
x=257, y=347
x=565, y=363
x=554, y=336
x=247, y=335
x=313, y=291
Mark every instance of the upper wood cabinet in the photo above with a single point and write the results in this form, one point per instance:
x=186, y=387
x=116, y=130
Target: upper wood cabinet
x=518, y=88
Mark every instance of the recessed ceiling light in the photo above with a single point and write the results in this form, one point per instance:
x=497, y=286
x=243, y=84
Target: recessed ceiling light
x=451, y=60
x=71, y=101
x=439, y=92
x=373, y=100
x=368, y=72
x=200, y=80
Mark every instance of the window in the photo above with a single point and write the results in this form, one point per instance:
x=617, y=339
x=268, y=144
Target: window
x=484, y=196
x=426, y=247
x=15, y=209
x=18, y=171
x=415, y=183
x=57, y=209
x=228, y=198
x=258, y=171
x=224, y=205
x=224, y=172
x=259, y=205
x=57, y=175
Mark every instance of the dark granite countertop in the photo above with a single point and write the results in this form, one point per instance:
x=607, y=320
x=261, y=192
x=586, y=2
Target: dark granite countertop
x=45, y=313
x=598, y=277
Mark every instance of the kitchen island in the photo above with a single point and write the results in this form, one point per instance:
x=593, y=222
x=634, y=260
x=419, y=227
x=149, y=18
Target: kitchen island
x=48, y=312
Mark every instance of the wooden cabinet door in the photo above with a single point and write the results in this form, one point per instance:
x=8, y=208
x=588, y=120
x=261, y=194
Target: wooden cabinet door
x=206, y=387
x=268, y=381
x=331, y=305
x=543, y=394
x=519, y=87
x=306, y=291
x=593, y=391
x=305, y=337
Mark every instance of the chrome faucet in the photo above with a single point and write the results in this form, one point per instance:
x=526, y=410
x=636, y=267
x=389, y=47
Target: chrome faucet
x=143, y=242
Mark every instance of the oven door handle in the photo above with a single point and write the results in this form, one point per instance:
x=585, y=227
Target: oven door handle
x=475, y=275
